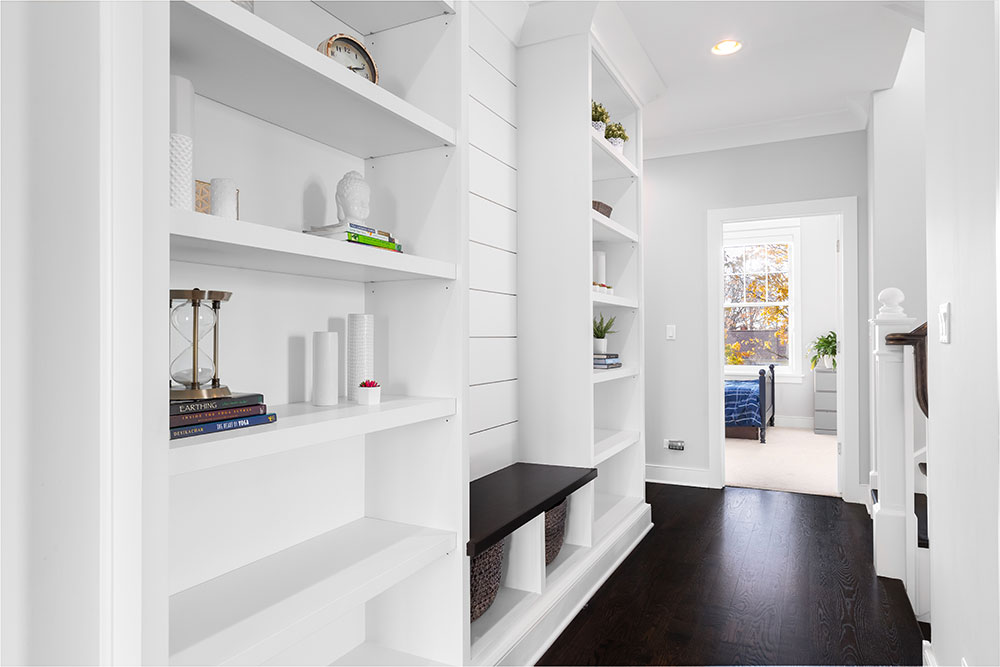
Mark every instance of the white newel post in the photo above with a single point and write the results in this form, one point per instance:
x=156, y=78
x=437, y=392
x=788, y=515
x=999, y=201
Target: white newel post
x=891, y=455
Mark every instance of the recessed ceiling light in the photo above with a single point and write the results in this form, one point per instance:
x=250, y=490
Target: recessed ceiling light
x=727, y=47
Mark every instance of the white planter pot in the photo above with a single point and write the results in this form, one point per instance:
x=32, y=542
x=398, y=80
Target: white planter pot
x=828, y=361
x=369, y=395
x=617, y=145
x=599, y=126
x=600, y=346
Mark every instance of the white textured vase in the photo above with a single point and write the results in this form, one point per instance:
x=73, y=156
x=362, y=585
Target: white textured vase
x=225, y=202
x=360, y=351
x=600, y=267
x=326, y=368
x=182, y=172
x=617, y=145
x=599, y=126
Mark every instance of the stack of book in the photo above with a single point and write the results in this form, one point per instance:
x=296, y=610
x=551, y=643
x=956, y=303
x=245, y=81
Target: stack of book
x=609, y=360
x=352, y=233
x=198, y=417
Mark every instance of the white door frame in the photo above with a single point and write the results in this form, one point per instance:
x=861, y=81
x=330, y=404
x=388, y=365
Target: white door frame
x=848, y=304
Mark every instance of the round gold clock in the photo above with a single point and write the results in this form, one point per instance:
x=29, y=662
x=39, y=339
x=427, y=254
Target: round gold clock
x=350, y=53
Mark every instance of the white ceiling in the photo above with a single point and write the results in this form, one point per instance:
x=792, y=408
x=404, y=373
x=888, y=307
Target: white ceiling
x=807, y=68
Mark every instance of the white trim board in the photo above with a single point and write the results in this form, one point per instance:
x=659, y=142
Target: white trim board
x=848, y=381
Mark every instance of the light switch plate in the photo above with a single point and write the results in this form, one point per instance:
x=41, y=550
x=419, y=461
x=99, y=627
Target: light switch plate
x=671, y=332
x=944, y=323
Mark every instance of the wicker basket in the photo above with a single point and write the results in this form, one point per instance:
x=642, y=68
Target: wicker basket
x=602, y=208
x=484, y=579
x=555, y=531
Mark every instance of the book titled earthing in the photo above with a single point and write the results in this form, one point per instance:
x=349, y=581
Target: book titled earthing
x=234, y=401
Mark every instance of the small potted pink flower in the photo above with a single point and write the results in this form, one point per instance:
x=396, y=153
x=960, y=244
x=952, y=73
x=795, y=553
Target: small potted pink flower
x=369, y=393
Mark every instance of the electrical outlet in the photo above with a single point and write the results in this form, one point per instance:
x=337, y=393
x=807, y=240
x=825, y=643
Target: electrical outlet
x=675, y=445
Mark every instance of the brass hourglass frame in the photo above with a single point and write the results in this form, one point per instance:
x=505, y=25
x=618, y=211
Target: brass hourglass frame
x=196, y=389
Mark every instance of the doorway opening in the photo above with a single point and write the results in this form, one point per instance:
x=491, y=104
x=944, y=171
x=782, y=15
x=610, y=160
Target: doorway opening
x=783, y=279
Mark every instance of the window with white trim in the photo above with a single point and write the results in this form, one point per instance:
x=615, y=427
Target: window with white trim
x=760, y=294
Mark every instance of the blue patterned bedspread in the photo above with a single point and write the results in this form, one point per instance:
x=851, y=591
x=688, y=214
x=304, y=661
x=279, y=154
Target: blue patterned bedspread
x=743, y=403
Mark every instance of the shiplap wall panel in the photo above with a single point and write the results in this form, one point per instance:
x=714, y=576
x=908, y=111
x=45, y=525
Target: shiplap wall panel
x=487, y=40
x=492, y=405
x=492, y=224
x=492, y=315
x=492, y=134
x=493, y=89
x=491, y=269
x=492, y=449
x=492, y=179
x=492, y=360
x=492, y=421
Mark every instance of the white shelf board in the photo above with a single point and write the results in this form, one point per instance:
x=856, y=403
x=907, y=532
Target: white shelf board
x=369, y=17
x=607, y=162
x=496, y=622
x=602, y=375
x=569, y=558
x=370, y=653
x=607, y=230
x=240, y=60
x=614, y=300
x=253, y=612
x=608, y=443
x=303, y=425
x=208, y=239
x=610, y=511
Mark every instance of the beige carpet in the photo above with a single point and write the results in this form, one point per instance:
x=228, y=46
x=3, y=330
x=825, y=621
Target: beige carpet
x=794, y=459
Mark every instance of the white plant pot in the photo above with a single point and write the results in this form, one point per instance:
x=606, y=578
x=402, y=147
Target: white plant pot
x=599, y=126
x=369, y=395
x=617, y=145
x=600, y=346
x=828, y=361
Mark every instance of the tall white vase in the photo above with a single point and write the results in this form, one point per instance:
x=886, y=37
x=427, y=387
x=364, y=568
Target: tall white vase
x=326, y=368
x=224, y=199
x=360, y=351
x=600, y=267
x=181, y=143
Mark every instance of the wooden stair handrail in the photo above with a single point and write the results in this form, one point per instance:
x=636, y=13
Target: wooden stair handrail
x=918, y=339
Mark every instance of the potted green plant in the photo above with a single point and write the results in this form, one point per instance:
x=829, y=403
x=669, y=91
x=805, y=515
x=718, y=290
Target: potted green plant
x=616, y=136
x=601, y=331
x=369, y=393
x=825, y=348
x=599, y=116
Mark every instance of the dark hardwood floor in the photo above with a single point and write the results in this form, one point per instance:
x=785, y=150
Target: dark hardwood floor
x=744, y=576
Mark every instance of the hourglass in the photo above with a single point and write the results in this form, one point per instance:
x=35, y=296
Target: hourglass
x=195, y=369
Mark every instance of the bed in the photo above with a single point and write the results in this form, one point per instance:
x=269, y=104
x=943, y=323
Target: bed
x=750, y=406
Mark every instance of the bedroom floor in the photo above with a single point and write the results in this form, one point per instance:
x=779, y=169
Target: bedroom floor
x=794, y=459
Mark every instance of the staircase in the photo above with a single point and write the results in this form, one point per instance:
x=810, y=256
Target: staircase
x=898, y=479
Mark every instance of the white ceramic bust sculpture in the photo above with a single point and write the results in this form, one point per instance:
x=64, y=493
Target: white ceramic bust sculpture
x=353, y=194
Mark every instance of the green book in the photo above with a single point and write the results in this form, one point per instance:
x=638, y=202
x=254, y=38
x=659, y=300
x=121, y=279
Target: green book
x=378, y=243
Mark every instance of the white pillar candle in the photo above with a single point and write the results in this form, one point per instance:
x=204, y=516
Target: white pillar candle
x=360, y=351
x=326, y=371
x=600, y=267
x=224, y=198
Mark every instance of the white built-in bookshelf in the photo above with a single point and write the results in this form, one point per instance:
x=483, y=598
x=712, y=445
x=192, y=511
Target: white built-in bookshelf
x=571, y=414
x=335, y=535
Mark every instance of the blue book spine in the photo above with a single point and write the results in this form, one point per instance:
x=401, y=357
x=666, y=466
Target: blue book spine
x=228, y=425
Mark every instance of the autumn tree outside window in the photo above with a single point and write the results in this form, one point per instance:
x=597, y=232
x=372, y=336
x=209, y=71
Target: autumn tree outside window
x=759, y=299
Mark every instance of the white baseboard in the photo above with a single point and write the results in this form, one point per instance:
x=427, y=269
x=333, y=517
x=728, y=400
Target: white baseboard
x=703, y=477
x=928, y=653
x=793, y=422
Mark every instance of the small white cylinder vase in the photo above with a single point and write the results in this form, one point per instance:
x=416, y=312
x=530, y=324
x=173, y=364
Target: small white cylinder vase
x=360, y=351
x=326, y=368
x=600, y=267
x=182, y=172
x=224, y=198
x=600, y=346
